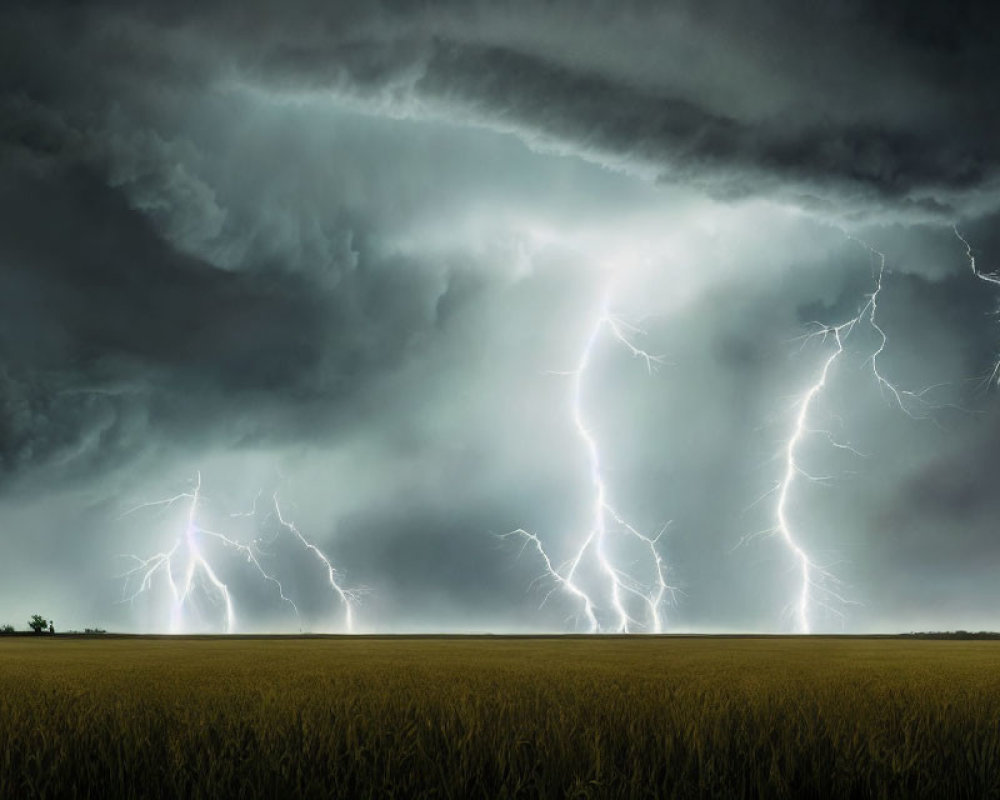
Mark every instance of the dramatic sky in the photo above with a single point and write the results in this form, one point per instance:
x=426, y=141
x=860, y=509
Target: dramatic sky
x=352, y=254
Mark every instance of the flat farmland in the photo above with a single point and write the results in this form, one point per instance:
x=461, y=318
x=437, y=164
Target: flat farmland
x=358, y=717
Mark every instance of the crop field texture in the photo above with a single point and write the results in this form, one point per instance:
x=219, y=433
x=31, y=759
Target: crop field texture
x=497, y=718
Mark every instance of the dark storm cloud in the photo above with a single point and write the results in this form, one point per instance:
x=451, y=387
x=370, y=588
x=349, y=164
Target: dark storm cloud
x=249, y=230
x=109, y=334
x=874, y=105
x=795, y=155
x=884, y=105
x=844, y=106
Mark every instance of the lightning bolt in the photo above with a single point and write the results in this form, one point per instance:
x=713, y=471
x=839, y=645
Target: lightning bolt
x=187, y=550
x=818, y=585
x=812, y=576
x=987, y=277
x=619, y=586
x=186, y=568
x=347, y=597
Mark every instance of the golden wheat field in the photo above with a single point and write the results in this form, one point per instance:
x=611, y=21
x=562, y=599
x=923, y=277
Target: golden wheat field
x=499, y=717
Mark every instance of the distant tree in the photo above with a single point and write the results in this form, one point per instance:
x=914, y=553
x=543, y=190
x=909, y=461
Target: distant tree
x=6, y=628
x=52, y=626
x=37, y=623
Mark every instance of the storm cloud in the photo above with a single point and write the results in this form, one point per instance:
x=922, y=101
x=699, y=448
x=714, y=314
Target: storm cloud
x=351, y=251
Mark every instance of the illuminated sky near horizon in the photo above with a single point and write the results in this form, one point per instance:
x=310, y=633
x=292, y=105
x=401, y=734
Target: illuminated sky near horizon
x=351, y=253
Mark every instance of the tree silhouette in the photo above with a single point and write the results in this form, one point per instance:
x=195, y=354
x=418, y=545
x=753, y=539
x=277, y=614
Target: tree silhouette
x=38, y=623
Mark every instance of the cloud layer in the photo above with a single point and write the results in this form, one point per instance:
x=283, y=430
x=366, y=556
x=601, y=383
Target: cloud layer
x=346, y=250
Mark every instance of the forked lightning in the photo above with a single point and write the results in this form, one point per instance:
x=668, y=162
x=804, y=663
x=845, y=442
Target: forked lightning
x=987, y=277
x=816, y=584
x=190, y=574
x=617, y=585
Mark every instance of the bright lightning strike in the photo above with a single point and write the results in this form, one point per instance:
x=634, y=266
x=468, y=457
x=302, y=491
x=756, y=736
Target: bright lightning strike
x=987, y=277
x=190, y=574
x=811, y=575
x=817, y=586
x=187, y=557
x=346, y=596
x=619, y=588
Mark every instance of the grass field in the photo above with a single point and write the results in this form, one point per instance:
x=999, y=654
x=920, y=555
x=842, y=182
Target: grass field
x=466, y=717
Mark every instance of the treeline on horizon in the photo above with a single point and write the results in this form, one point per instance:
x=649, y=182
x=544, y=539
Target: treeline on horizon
x=951, y=635
x=39, y=626
x=31, y=630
